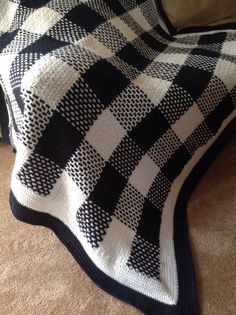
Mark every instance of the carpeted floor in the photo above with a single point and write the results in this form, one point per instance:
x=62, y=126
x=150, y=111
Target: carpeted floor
x=39, y=276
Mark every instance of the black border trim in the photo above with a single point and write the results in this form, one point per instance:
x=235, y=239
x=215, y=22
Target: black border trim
x=4, y=119
x=187, y=303
x=190, y=29
x=197, y=29
x=172, y=30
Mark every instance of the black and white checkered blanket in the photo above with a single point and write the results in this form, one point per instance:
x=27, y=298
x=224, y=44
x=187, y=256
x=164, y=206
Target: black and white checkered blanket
x=111, y=118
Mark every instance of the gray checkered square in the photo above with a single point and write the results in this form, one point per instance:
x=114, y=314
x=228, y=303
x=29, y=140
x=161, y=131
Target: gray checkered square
x=39, y=174
x=126, y=156
x=110, y=37
x=137, y=106
x=175, y=103
x=129, y=207
x=144, y=258
x=128, y=19
x=93, y=222
x=81, y=109
x=162, y=70
x=164, y=147
x=201, y=62
x=66, y=30
x=129, y=71
x=212, y=96
x=198, y=138
x=85, y=167
x=144, y=49
x=159, y=191
x=77, y=57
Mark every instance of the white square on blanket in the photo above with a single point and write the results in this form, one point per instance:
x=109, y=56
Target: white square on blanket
x=226, y=70
x=125, y=30
x=41, y=20
x=116, y=250
x=144, y=174
x=178, y=59
x=7, y=13
x=91, y=43
x=154, y=88
x=188, y=122
x=229, y=48
x=105, y=134
x=49, y=78
x=140, y=19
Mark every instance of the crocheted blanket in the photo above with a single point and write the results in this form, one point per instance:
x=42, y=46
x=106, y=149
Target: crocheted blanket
x=114, y=120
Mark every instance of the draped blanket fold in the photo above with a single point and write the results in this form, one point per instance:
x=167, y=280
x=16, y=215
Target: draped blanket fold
x=114, y=120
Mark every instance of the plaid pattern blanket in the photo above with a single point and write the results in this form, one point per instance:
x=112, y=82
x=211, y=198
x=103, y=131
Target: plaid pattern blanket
x=109, y=114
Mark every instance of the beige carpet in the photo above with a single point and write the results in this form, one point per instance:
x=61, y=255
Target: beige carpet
x=39, y=276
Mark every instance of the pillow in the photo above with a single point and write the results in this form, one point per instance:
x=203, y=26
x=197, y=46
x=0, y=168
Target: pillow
x=186, y=13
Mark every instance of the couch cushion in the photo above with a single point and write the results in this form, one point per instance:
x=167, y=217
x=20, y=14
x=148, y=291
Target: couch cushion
x=185, y=13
